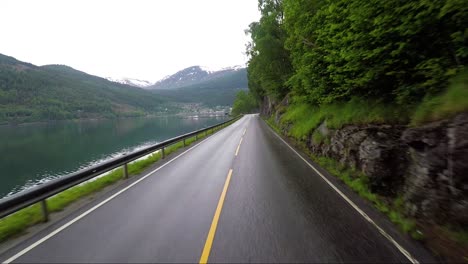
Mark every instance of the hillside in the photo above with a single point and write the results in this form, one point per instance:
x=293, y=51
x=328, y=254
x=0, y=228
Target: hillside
x=54, y=92
x=196, y=85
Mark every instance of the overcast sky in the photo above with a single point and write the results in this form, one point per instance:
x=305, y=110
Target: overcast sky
x=133, y=38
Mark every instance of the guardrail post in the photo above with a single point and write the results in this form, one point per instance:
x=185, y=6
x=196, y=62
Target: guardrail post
x=163, y=153
x=125, y=170
x=196, y=136
x=45, y=212
x=206, y=132
x=184, y=142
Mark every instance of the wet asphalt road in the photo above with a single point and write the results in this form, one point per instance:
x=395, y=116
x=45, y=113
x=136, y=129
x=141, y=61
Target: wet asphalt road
x=276, y=209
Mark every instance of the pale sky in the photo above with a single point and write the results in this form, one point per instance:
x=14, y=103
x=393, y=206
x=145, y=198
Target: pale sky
x=143, y=39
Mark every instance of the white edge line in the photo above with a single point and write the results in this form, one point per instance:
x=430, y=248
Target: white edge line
x=58, y=230
x=387, y=236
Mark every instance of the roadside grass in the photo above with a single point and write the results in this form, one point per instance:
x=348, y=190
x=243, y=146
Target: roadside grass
x=305, y=117
x=318, y=137
x=359, y=183
x=271, y=122
x=18, y=222
x=454, y=100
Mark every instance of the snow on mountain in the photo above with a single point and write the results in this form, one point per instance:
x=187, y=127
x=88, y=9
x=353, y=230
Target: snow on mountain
x=234, y=68
x=193, y=75
x=231, y=68
x=208, y=69
x=181, y=78
x=131, y=82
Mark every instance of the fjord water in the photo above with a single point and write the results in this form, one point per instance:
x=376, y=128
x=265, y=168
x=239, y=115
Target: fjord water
x=34, y=153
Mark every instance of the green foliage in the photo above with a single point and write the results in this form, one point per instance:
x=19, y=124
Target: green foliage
x=269, y=64
x=318, y=137
x=327, y=52
x=395, y=50
x=245, y=103
x=271, y=121
x=304, y=118
x=54, y=92
x=452, y=101
x=355, y=180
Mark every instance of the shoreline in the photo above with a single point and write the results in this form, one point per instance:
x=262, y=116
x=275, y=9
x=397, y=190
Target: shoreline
x=181, y=115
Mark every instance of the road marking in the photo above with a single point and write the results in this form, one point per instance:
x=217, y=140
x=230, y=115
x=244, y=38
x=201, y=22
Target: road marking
x=238, y=146
x=381, y=231
x=243, y=134
x=214, y=224
x=58, y=230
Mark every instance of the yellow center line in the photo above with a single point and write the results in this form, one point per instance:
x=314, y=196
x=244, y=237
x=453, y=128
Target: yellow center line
x=238, y=147
x=214, y=224
x=244, y=132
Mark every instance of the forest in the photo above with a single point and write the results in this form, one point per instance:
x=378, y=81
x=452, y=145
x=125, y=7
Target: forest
x=402, y=61
x=244, y=103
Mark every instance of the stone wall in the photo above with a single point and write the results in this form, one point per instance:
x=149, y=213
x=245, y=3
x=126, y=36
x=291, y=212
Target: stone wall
x=436, y=186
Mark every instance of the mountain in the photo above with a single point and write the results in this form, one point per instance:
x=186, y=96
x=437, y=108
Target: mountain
x=198, y=85
x=131, y=82
x=54, y=92
x=181, y=78
x=193, y=75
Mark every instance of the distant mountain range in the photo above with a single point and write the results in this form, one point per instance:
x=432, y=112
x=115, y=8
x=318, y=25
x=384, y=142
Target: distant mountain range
x=193, y=75
x=186, y=77
x=54, y=92
x=197, y=85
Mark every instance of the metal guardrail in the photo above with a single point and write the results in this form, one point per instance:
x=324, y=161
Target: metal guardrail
x=40, y=193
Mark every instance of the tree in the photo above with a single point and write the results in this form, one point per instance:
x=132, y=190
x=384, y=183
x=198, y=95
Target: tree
x=269, y=64
x=245, y=103
x=394, y=50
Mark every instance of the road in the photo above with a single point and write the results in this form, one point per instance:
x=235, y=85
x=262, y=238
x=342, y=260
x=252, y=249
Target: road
x=241, y=195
